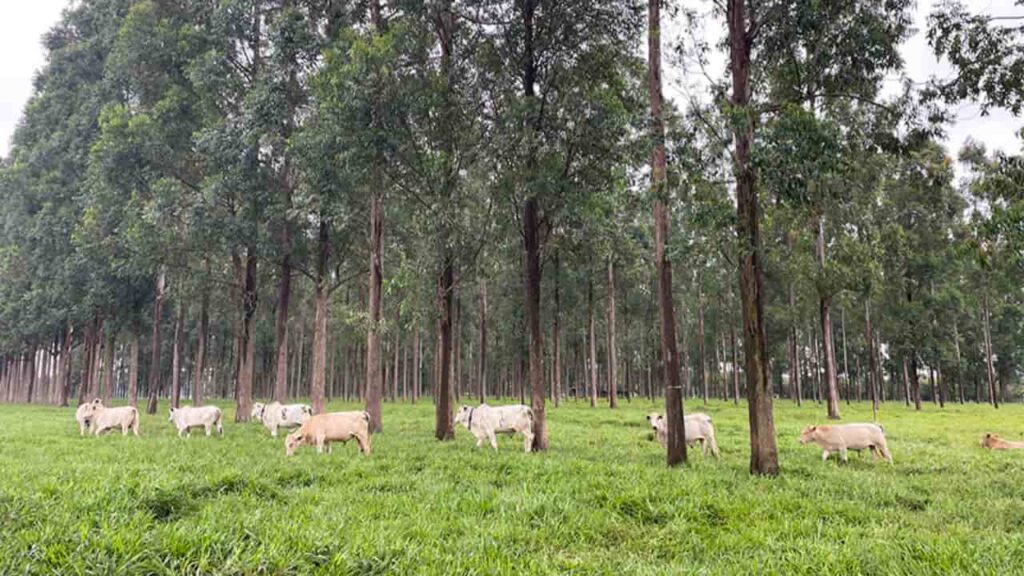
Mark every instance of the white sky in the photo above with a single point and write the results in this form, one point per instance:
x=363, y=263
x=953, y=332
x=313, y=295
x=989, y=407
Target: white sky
x=22, y=24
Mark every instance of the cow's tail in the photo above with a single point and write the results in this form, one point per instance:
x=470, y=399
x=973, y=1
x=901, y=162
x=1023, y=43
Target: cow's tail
x=220, y=427
x=134, y=425
x=533, y=419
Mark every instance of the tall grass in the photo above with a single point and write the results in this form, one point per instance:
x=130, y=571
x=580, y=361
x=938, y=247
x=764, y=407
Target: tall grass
x=599, y=502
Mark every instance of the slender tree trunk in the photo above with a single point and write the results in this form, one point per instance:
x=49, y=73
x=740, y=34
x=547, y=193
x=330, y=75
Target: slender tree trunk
x=763, y=453
x=317, y=385
x=64, y=370
x=243, y=393
x=199, y=370
x=284, y=291
x=915, y=385
x=613, y=358
x=702, y=339
x=374, y=382
x=482, y=368
x=94, y=363
x=872, y=368
x=735, y=363
x=825, y=314
x=133, y=369
x=179, y=321
x=846, y=361
x=676, y=449
x=987, y=334
x=108, y=367
x=591, y=333
x=155, y=343
x=443, y=422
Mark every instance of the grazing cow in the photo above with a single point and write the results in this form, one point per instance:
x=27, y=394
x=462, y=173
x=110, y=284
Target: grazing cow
x=104, y=418
x=697, y=427
x=275, y=415
x=484, y=422
x=188, y=417
x=994, y=442
x=322, y=429
x=843, y=437
x=84, y=416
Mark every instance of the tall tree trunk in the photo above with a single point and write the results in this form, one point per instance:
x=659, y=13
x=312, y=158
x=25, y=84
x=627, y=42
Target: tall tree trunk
x=676, y=449
x=915, y=384
x=872, y=367
x=94, y=364
x=133, y=369
x=958, y=384
x=735, y=363
x=319, y=370
x=417, y=377
x=243, y=392
x=87, y=345
x=482, y=368
x=108, y=367
x=284, y=290
x=763, y=453
x=613, y=359
x=199, y=371
x=794, y=355
x=592, y=335
x=846, y=361
x=987, y=334
x=443, y=422
x=825, y=315
x=179, y=321
x=556, y=338
x=538, y=393
x=702, y=339
x=374, y=381
x=64, y=370
x=155, y=342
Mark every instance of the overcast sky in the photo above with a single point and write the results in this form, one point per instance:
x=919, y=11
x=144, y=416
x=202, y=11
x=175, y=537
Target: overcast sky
x=22, y=25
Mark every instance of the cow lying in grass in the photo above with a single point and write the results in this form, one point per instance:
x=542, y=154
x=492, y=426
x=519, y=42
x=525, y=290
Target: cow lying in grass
x=485, y=422
x=994, y=442
x=188, y=417
x=276, y=415
x=322, y=429
x=84, y=416
x=697, y=428
x=104, y=418
x=843, y=437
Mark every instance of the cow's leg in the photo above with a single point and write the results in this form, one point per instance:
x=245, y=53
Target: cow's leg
x=273, y=431
x=884, y=449
x=527, y=441
x=843, y=455
x=874, y=453
x=327, y=445
x=364, y=443
x=124, y=429
x=824, y=455
x=703, y=447
x=209, y=430
x=493, y=439
x=479, y=441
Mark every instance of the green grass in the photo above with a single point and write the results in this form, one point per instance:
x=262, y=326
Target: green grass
x=599, y=502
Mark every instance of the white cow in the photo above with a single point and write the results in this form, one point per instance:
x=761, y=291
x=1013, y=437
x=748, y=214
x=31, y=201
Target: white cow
x=276, y=415
x=485, y=421
x=697, y=427
x=843, y=437
x=104, y=418
x=84, y=416
x=188, y=417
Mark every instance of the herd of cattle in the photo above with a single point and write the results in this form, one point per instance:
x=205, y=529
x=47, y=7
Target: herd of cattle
x=483, y=421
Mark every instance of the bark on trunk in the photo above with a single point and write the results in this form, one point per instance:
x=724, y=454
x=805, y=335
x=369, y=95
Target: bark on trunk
x=592, y=342
x=443, y=423
x=155, y=344
x=613, y=360
x=374, y=382
x=108, y=368
x=872, y=368
x=317, y=384
x=243, y=401
x=676, y=449
x=199, y=370
x=482, y=368
x=284, y=291
x=702, y=339
x=987, y=334
x=133, y=369
x=179, y=321
x=763, y=453
x=532, y=276
x=64, y=370
x=556, y=339
x=825, y=315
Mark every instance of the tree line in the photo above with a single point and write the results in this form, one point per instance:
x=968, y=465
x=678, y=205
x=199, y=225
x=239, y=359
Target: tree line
x=464, y=200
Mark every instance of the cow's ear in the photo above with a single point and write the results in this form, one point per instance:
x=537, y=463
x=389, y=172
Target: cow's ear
x=648, y=417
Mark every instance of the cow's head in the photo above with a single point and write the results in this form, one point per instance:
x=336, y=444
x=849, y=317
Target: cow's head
x=257, y=412
x=656, y=420
x=293, y=441
x=990, y=440
x=462, y=415
x=808, y=434
x=170, y=413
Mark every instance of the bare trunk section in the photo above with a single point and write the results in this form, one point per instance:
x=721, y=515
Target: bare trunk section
x=155, y=343
x=108, y=368
x=482, y=367
x=825, y=316
x=556, y=340
x=592, y=341
x=702, y=339
x=64, y=368
x=763, y=454
x=133, y=369
x=179, y=325
x=199, y=370
x=613, y=359
x=676, y=449
x=872, y=367
x=374, y=381
x=532, y=276
x=247, y=345
x=987, y=334
x=443, y=422
x=322, y=296
x=284, y=291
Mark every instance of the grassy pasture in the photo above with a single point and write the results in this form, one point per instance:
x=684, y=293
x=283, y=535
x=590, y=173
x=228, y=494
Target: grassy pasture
x=599, y=502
